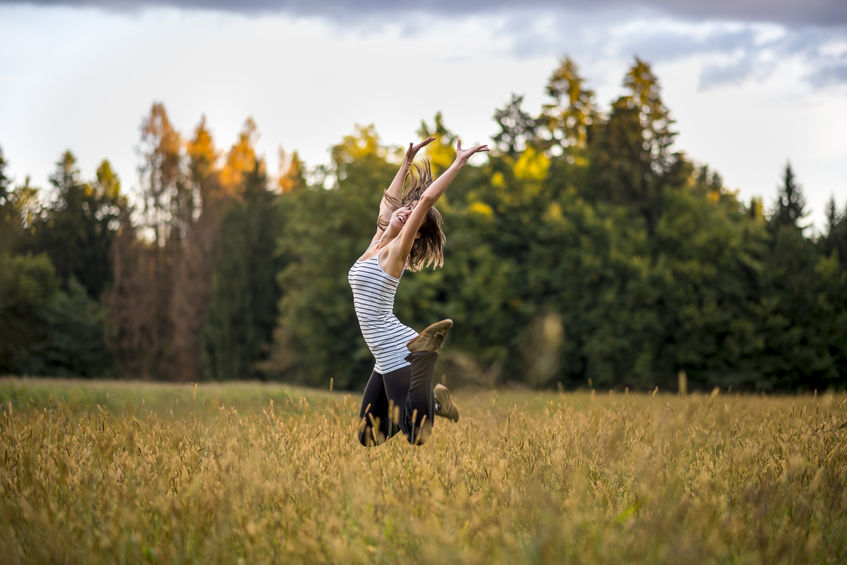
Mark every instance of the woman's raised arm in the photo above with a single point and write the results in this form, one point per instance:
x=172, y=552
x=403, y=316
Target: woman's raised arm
x=393, y=194
x=428, y=199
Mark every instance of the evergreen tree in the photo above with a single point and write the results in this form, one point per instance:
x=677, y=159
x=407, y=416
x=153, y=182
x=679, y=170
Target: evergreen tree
x=27, y=286
x=835, y=238
x=707, y=273
x=517, y=128
x=570, y=114
x=791, y=357
x=793, y=349
x=73, y=342
x=830, y=324
x=9, y=223
x=631, y=160
x=657, y=136
x=5, y=182
x=77, y=228
x=790, y=203
x=43, y=329
x=618, y=161
x=243, y=309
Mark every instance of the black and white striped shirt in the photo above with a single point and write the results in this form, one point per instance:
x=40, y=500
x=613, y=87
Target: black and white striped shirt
x=373, y=300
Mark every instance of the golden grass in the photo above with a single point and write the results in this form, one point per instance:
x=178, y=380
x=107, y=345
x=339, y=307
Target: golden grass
x=114, y=472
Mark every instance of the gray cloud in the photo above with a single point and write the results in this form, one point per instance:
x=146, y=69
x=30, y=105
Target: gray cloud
x=735, y=72
x=787, y=12
x=829, y=75
x=672, y=46
x=543, y=27
x=758, y=59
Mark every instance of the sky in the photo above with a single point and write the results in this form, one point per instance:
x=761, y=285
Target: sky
x=751, y=84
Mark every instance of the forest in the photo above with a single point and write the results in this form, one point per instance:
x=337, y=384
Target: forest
x=586, y=251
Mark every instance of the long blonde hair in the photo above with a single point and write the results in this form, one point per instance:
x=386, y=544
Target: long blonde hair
x=428, y=249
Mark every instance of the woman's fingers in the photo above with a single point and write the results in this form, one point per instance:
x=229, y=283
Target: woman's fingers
x=464, y=154
x=413, y=149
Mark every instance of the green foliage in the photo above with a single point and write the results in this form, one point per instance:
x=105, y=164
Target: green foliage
x=518, y=129
x=73, y=343
x=571, y=112
x=243, y=308
x=793, y=355
x=18, y=210
x=790, y=203
x=27, y=285
x=324, y=232
x=707, y=269
x=44, y=330
x=611, y=263
x=835, y=239
x=584, y=252
x=77, y=229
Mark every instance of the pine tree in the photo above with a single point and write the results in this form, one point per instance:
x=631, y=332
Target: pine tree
x=631, y=162
x=243, y=309
x=517, y=128
x=5, y=182
x=76, y=229
x=571, y=113
x=790, y=203
x=835, y=238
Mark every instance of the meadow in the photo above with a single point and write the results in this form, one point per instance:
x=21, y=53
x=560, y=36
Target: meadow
x=114, y=472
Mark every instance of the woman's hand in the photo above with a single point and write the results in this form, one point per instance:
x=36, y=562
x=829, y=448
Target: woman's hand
x=413, y=150
x=462, y=155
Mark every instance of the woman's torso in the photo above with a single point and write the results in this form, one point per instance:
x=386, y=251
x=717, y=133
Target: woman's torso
x=373, y=300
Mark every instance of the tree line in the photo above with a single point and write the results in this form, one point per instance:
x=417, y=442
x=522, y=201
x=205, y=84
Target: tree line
x=587, y=251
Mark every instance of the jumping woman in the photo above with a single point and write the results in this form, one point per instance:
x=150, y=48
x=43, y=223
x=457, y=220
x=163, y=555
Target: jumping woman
x=399, y=396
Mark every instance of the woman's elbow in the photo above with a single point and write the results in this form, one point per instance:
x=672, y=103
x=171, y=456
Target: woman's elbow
x=427, y=200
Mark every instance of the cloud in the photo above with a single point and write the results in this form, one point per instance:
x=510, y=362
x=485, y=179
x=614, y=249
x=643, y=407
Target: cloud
x=735, y=72
x=660, y=44
x=829, y=75
x=733, y=53
x=822, y=51
x=746, y=39
x=788, y=12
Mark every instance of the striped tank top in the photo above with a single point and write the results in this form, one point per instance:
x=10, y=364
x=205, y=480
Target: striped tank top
x=373, y=300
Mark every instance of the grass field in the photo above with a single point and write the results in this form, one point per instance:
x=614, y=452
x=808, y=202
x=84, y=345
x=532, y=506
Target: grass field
x=132, y=472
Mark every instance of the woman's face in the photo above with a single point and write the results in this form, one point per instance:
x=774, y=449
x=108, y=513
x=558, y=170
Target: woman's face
x=398, y=219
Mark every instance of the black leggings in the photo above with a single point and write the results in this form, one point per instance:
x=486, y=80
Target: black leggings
x=399, y=401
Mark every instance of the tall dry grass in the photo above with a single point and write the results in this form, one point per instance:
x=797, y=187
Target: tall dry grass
x=122, y=473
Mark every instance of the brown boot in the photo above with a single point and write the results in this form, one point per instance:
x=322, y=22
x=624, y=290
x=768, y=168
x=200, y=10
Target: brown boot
x=446, y=408
x=431, y=338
